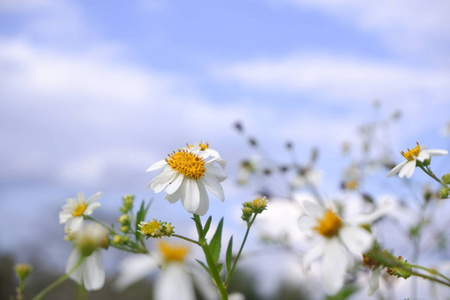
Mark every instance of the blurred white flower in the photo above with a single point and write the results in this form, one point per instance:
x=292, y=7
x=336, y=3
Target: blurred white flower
x=73, y=211
x=446, y=130
x=88, y=242
x=187, y=173
x=335, y=236
x=174, y=282
x=418, y=153
x=306, y=177
x=236, y=296
x=374, y=280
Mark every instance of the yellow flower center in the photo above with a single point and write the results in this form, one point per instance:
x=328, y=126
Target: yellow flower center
x=173, y=253
x=187, y=164
x=410, y=154
x=79, y=210
x=203, y=146
x=329, y=224
x=152, y=228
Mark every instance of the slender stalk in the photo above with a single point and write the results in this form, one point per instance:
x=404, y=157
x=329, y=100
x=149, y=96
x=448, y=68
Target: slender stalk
x=227, y=281
x=58, y=281
x=431, y=271
x=428, y=171
x=210, y=260
x=185, y=238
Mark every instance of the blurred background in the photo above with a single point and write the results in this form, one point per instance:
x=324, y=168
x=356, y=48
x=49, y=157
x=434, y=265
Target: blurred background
x=94, y=92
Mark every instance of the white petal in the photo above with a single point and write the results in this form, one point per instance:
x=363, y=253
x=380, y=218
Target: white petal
x=64, y=217
x=91, y=207
x=80, y=197
x=356, y=239
x=396, y=169
x=134, y=268
x=174, y=184
x=333, y=266
x=162, y=180
x=217, y=172
x=177, y=194
x=314, y=253
x=213, y=185
x=408, y=169
x=204, y=283
x=74, y=223
x=437, y=152
x=174, y=284
x=313, y=209
x=204, y=200
x=306, y=224
x=157, y=165
x=94, y=197
x=374, y=281
x=191, y=197
x=77, y=274
x=94, y=274
x=423, y=155
x=382, y=210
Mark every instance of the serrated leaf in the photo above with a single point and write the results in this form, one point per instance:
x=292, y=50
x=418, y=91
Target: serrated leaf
x=216, y=242
x=229, y=255
x=203, y=265
x=207, y=225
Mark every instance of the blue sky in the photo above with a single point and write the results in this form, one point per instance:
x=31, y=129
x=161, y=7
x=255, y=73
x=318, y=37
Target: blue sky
x=95, y=92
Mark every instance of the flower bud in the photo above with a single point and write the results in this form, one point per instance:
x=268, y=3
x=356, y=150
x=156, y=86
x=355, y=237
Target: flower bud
x=446, y=178
x=260, y=204
x=125, y=228
x=124, y=219
x=117, y=239
x=128, y=200
x=23, y=270
x=246, y=213
x=443, y=193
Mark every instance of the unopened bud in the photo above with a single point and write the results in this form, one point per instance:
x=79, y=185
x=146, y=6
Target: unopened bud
x=443, y=193
x=117, y=239
x=124, y=219
x=246, y=213
x=125, y=229
x=260, y=204
x=446, y=178
x=128, y=200
x=23, y=270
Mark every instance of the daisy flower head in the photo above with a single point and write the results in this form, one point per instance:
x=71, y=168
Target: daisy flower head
x=175, y=279
x=187, y=173
x=336, y=238
x=88, y=241
x=417, y=154
x=73, y=212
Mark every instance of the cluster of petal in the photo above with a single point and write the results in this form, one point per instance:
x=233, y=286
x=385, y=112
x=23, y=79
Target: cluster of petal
x=174, y=281
x=90, y=273
x=191, y=191
x=419, y=153
x=73, y=212
x=333, y=247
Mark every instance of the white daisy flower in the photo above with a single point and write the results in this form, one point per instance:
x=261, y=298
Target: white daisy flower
x=73, y=211
x=176, y=279
x=335, y=237
x=187, y=173
x=90, y=273
x=418, y=153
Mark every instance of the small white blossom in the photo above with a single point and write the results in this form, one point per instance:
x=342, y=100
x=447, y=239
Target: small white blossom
x=73, y=211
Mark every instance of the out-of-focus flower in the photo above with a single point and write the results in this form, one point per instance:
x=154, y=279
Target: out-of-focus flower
x=23, y=270
x=236, y=296
x=418, y=153
x=73, y=211
x=88, y=242
x=306, y=176
x=446, y=130
x=186, y=175
x=335, y=235
x=174, y=282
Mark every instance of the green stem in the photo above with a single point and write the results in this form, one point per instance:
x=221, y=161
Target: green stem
x=431, y=174
x=431, y=271
x=58, y=281
x=430, y=278
x=100, y=223
x=185, y=238
x=210, y=261
x=240, y=250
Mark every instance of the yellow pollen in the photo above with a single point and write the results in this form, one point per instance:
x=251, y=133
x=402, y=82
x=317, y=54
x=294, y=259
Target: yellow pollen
x=152, y=228
x=203, y=146
x=410, y=154
x=79, y=210
x=329, y=224
x=187, y=164
x=173, y=253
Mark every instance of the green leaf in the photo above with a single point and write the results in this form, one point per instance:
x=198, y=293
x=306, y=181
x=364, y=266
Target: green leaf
x=204, y=266
x=229, y=254
x=198, y=224
x=219, y=268
x=216, y=242
x=207, y=225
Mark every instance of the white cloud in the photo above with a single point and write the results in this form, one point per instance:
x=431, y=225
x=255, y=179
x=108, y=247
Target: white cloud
x=411, y=27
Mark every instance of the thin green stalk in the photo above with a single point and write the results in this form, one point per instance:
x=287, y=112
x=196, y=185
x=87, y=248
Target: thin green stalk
x=185, y=238
x=227, y=281
x=210, y=261
x=431, y=271
x=58, y=281
x=431, y=174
